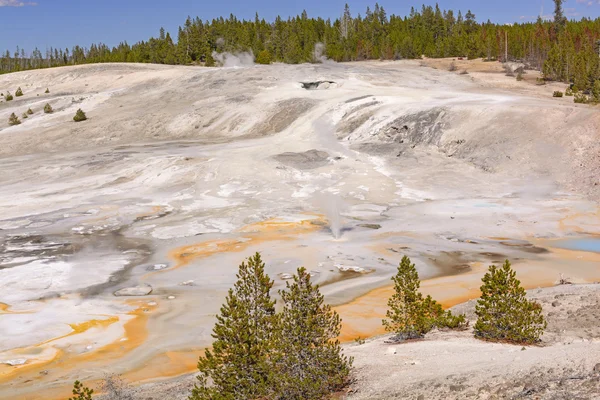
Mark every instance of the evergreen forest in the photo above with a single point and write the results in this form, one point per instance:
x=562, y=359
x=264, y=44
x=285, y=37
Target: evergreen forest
x=563, y=50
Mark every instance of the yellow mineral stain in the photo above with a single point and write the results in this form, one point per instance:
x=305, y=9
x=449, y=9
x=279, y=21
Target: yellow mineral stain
x=5, y=309
x=265, y=231
x=166, y=365
x=135, y=333
x=571, y=223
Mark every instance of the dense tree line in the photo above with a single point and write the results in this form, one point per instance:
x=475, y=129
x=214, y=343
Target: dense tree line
x=569, y=47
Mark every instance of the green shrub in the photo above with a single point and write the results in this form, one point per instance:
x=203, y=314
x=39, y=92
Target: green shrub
x=48, y=109
x=581, y=98
x=47, y=91
x=25, y=116
x=30, y=111
x=79, y=116
x=13, y=120
x=307, y=360
x=210, y=61
x=237, y=367
x=19, y=92
x=503, y=311
x=8, y=96
x=569, y=92
x=557, y=94
x=264, y=57
x=410, y=316
x=81, y=392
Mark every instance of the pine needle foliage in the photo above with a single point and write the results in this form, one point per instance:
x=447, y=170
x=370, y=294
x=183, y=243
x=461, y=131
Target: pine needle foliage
x=8, y=96
x=13, y=120
x=80, y=392
x=25, y=116
x=48, y=109
x=503, y=311
x=19, y=92
x=79, y=116
x=410, y=315
x=30, y=111
x=308, y=360
x=47, y=91
x=237, y=367
x=264, y=57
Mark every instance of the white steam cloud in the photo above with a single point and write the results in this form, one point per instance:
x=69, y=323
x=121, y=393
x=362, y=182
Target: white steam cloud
x=319, y=54
x=230, y=60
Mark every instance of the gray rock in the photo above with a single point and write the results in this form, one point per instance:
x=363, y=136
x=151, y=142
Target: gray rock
x=310, y=159
x=370, y=226
x=140, y=290
x=597, y=368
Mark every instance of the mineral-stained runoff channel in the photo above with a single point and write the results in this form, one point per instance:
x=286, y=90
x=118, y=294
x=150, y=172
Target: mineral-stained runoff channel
x=119, y=238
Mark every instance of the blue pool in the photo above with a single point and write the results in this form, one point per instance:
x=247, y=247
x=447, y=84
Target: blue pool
x=580, y=244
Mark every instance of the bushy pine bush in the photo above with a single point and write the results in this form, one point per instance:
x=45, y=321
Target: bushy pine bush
x=308, y=363
x=410, y=315
x=503, y=311
x=557, y=93
x=13, y=120
x=19, y=92
x=581, y=98
x=48, y=109
x=569, y=92
x=47, y=91
x=79, y=116
x=25, y=116
x=8, y=96
x=30, y=111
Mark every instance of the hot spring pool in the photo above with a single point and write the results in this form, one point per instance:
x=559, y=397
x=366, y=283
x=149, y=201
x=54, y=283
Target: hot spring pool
x=580, y=244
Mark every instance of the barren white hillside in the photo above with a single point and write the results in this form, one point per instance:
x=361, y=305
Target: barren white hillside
x=120, y=235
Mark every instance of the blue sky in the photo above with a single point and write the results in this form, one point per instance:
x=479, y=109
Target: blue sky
x=64, y=23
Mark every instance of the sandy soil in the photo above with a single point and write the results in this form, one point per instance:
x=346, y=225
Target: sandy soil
x=181, y=172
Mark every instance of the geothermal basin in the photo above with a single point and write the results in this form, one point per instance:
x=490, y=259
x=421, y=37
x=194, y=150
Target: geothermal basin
x=120, y=236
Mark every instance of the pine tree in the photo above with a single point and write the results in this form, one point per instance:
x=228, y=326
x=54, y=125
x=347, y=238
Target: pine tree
x=81, y=392
x=308, y=360
x=410, y=316
x=503, y=311
x=237, y=366
x=30, y=111
x=47, y=91
x=8, y=96
x=13, y=120
x=48, y=109
x=79, y=116
x=24, y=116
x=19, y=92
x=264, y=57
x=559, y=17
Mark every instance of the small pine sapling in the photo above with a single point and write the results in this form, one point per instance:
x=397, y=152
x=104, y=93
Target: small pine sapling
x=81, y=392
x=13, y=120
x=79, y=116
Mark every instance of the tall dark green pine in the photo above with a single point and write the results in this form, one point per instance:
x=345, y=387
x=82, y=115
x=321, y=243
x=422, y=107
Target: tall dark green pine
x=237, y=367
x=503, y=311
x=308, y=360
x=405, y=315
